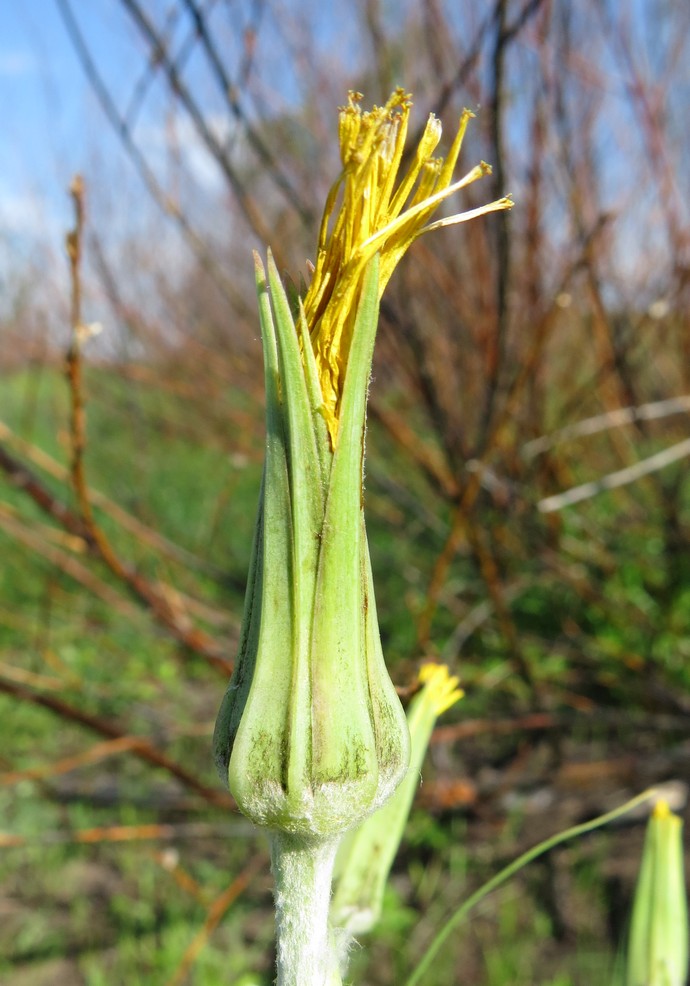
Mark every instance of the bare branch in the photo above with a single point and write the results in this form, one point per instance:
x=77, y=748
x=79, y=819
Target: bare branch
x=143, y=749
x=231, y=95
x=159, y=603
x=622, y=477
x=612, y=419
x=196, y=243
x=159, y=51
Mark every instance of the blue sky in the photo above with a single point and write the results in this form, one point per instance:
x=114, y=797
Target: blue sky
x=45, y=111
x=53, y=127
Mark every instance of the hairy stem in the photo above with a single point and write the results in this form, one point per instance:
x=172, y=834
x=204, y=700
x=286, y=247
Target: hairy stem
x=303, y=870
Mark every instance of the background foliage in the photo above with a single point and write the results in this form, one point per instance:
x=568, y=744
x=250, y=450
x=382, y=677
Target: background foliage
x=520, y=358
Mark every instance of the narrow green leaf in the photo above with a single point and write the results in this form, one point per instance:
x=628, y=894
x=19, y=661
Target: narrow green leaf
x=507, y=872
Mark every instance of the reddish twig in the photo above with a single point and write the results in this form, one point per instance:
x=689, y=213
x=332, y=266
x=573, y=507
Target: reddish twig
x=121, y=833
x=141, y=748
x=192, y=637
x=24, y=479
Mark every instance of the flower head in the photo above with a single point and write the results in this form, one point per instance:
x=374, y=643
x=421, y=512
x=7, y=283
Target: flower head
x=373, y=208
x=311, y=735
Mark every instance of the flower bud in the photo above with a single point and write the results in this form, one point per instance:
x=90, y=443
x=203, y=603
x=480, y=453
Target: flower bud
x=311, y=733
x=658, y=943
x=366, y=854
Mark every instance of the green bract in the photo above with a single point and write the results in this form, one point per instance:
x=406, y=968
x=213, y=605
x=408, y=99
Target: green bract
x=311, y=735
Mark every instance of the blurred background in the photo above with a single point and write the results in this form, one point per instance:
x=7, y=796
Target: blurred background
x=527, y=493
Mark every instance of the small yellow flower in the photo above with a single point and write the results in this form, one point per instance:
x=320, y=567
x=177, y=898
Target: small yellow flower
x=369, y=210
x=442, y=689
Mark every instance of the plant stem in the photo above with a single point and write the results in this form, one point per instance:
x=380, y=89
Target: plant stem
x=303, y=870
